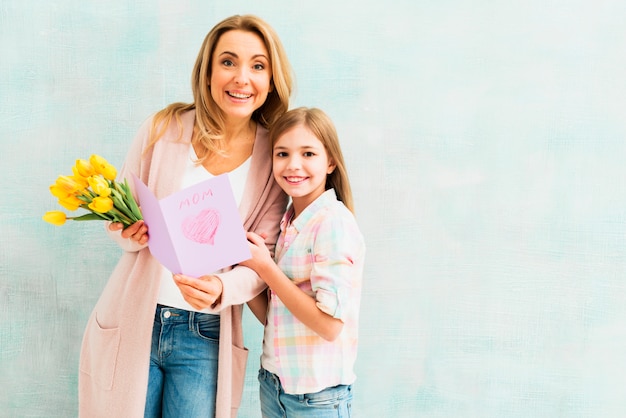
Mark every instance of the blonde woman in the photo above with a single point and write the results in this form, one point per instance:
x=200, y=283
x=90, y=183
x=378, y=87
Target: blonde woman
x=163, y=346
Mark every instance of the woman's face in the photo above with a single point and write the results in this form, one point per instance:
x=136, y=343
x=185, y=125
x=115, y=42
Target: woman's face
x=240, y=74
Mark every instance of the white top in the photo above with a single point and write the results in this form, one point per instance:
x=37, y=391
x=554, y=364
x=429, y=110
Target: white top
x=194, y=173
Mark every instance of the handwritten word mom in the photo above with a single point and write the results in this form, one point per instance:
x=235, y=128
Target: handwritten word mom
x=195, y=199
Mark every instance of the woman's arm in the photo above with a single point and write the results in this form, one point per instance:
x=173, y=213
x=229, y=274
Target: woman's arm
x=263, y=213
x=240, y=284
x=134, y=237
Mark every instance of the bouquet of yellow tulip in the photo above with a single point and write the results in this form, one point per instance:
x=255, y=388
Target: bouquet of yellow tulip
x=93, y=187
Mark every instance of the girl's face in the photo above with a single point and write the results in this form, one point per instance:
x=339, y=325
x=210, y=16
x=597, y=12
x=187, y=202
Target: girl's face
x=300, y=165
x=240, y=74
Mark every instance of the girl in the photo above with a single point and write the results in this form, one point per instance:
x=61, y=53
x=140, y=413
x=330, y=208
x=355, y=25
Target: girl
x=311, y=309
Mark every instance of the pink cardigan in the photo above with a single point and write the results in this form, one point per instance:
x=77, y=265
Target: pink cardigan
x=116, y=345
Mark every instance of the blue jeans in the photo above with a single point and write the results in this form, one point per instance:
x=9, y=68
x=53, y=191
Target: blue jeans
x=183, y=364
x=335, y=402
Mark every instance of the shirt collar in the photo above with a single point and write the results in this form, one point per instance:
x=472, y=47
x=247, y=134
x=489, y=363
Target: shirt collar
x=323, y=200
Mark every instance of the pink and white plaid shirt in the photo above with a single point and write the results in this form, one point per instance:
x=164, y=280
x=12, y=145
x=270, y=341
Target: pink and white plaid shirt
x=322, y=251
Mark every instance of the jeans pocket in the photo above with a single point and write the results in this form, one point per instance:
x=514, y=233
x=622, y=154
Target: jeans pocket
x=98, y=357
x=208, y=326
x=240, y=359
x=330, y=397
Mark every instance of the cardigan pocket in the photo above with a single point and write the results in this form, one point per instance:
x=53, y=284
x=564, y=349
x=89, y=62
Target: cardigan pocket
x=99, y=356
x=240, y=358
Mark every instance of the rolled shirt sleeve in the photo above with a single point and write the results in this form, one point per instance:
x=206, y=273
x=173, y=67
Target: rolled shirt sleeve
x=337, y=265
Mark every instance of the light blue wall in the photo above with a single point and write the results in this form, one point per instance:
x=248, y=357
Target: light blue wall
x=485, y=143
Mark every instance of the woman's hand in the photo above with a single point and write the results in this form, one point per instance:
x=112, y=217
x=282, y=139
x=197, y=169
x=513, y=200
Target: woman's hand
x=202, y=292
x=137, y=231
x=261, y=256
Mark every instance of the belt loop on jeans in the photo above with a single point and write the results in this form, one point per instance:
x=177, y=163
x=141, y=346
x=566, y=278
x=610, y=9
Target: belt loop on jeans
x=267, y=375
x=191, y=320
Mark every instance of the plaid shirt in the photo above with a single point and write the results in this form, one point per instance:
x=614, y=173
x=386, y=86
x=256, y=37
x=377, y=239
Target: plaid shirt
x=322, y=252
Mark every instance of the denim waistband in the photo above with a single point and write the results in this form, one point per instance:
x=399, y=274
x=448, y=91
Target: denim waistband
x=267, y=374
x=167, y=314
x=272, y=379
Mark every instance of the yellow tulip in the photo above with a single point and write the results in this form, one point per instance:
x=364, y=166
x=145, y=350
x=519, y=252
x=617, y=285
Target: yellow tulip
x=70, y=202
x=79, y=178
x=67, y=183
x=102, y=166
x=99, y=185
x=109, y=172
x=84, y=168
x=101, y=204
x=55, y=217
x=59, y=192
x=71, y=184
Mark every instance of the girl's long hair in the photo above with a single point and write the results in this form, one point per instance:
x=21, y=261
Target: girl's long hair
x=320, y=125
x=210, y=122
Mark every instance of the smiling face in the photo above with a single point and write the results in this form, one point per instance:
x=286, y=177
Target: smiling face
x=240, y=74
x=300, y=165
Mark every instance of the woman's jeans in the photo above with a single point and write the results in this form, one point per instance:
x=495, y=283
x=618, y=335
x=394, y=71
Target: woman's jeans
x=333, y=402
x=183, y=364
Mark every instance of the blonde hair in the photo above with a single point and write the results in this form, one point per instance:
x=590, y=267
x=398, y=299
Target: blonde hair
x=320, y=125
x=209, y=117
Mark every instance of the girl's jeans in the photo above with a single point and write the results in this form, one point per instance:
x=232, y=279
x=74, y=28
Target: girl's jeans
x=335, y=402
x=183, y=364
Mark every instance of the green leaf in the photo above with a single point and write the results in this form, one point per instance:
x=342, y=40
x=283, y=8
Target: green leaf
x=88, y=217
x=118, y=201
x=131, y=201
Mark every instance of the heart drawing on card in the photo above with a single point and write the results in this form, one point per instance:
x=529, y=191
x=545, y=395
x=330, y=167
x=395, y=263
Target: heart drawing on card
x=202, y=227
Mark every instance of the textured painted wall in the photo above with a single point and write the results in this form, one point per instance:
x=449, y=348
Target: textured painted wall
x=485, y=142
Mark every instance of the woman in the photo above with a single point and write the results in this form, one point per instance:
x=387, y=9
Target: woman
x=151, y=344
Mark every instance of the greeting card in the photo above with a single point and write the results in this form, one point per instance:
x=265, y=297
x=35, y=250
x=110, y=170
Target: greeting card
x=195, y=231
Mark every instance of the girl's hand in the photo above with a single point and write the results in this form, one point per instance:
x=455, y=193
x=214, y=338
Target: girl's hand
x=260, y=254
x=137, y=231
x=202, y=292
